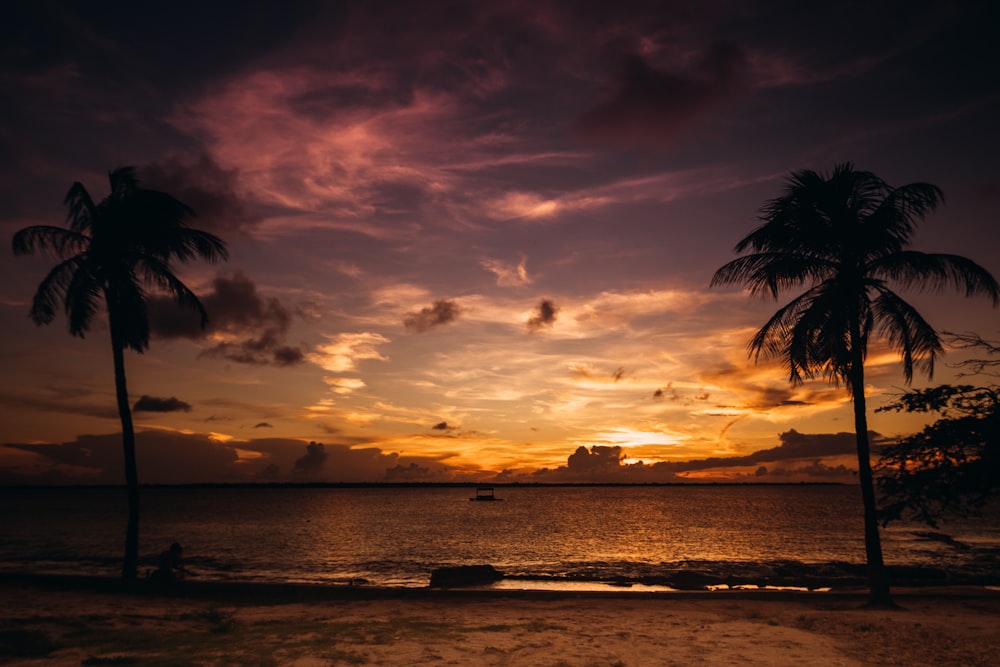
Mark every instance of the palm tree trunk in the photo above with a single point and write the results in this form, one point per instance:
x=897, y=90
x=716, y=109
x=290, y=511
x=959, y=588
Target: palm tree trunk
x=130, y=564
x=878, y=582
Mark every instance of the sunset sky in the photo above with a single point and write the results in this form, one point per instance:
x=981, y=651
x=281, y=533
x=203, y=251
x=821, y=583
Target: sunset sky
x=468, y=239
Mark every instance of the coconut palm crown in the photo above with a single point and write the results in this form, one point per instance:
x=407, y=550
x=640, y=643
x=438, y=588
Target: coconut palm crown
x=843, y=237
x=115, y=251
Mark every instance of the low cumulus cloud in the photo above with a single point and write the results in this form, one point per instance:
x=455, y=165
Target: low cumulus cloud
x=595, y=459
x=311, y=463
x=148, y=403
x=651, y=106
x=249, y=328
x=544, y=316
x=441, y=313
x=599, y=463
x=798, y=456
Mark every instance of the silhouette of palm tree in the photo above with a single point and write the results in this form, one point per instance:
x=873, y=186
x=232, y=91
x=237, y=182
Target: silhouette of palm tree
x=114, y=250
x=844, y=238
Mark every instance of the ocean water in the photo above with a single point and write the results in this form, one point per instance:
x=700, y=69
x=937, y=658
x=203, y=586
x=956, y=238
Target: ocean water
x=389, y=536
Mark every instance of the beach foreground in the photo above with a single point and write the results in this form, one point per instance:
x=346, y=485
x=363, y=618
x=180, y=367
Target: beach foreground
x=83, y=625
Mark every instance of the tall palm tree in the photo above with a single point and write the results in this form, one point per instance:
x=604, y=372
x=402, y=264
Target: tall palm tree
x=844, y=237
x=114, y=251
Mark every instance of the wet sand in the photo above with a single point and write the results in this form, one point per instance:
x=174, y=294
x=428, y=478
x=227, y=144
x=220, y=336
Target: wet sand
x=76, y=621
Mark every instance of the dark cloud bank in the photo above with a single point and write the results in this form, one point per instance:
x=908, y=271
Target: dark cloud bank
x=256, y=327
x=799, y=456
x=168, y=457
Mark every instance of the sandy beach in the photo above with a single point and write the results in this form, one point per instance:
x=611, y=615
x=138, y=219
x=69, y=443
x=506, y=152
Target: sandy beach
x=80, y=624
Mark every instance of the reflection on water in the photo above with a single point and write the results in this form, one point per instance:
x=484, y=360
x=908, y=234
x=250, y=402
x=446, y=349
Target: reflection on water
x=396, y=536
x=574, y=585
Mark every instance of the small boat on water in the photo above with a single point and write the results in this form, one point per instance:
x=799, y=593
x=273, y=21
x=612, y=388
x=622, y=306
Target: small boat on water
x=485, y=493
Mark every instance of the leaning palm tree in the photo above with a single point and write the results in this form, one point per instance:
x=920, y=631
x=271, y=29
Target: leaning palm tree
x=843, y=237
x=114, y=251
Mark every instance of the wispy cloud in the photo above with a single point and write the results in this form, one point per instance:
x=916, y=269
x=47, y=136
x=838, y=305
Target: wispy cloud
x=509, y=275
x=347, y=349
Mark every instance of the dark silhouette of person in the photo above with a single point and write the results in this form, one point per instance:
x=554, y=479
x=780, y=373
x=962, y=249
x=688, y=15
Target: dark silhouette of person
x=170, y=567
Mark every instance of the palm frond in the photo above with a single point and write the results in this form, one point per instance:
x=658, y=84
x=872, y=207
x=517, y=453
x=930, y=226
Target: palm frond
x=196, y=244
x=81, y=211
x=845, y=233
x=158, y=273
x=155, y=223
x=123, y=180
x=913, y=201
x=81, y=300
x=890, y=226
x=58, y=240
x=771, y=272
x=52, y=289
x=908, y=333
x=935, y=272
x=820, y=339
x=786, y=335
x=771, y=340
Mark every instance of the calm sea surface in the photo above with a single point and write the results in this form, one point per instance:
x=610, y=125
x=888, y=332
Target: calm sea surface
x=396, y=536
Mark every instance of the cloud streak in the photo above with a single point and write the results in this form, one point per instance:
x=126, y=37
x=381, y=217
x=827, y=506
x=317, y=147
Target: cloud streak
x=148, y=403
